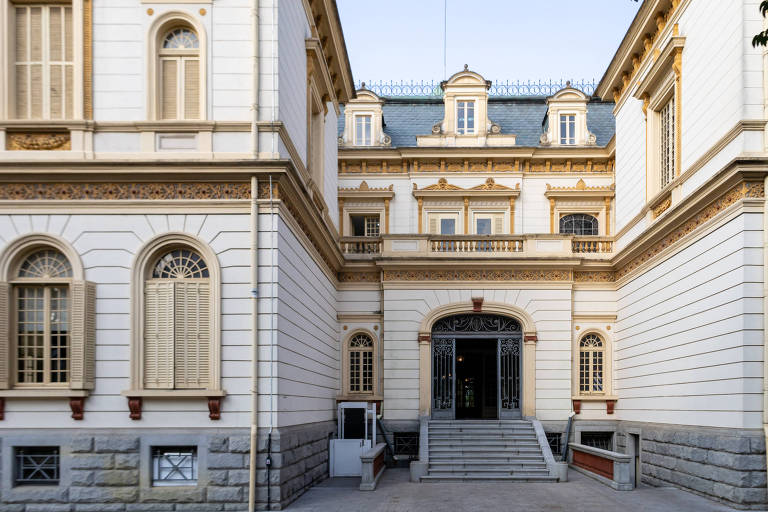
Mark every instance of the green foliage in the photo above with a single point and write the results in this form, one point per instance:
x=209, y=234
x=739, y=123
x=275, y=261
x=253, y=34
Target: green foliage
x=761, y=39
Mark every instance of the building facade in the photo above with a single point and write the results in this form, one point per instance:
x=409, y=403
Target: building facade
x=208, y=239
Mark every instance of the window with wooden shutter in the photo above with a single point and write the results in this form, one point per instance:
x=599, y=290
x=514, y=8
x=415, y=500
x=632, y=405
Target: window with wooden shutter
x=44, y=62
x=180, y=89
x=177, y=323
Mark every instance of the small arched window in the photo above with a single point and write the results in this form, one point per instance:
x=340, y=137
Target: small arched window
x=42, y=319
x=178, y=340
x=578, y=224
x=361, y=372
x=591, y=364
x=179, y=74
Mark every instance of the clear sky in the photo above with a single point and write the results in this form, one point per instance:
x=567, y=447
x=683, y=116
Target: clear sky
x=500, y=39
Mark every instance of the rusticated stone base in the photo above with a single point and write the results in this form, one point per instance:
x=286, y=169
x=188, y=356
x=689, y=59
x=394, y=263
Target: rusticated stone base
x=110, y=470
x=727, y=465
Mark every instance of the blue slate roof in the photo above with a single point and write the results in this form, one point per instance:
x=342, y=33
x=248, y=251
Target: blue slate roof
x=405, y=118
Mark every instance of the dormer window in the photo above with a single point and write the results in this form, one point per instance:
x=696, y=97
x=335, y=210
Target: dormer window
x=568, y=129
x=363, y=134
x=465, y=117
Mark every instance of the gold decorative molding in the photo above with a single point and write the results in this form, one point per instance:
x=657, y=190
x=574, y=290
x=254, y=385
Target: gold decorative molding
x=662, y=206
x=359, y=277
x=593, y=276
x=627, y=72
x=742, y=190
x=580, y=186
x=365, y=188
x=356, y=164
x=489, y=187
x=38, y=141
x=528, y=275
x=118, y=191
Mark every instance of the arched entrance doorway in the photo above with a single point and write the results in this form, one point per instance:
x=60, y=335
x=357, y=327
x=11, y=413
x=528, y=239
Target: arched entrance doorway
x=476, y=366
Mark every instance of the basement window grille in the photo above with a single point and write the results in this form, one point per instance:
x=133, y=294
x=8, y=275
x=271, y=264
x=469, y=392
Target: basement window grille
x=406, y=443
x=37, y=465
x=174, y=465
x=555, y=440
x=601, y=440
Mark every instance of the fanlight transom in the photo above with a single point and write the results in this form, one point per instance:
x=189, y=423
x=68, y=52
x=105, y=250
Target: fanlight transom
x=361, y=341
x=591, y=341
x=181, y=38
x=180, y=264
x=45, y=264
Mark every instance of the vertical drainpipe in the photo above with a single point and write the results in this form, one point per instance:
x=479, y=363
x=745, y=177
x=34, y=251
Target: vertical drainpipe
x=254, y=265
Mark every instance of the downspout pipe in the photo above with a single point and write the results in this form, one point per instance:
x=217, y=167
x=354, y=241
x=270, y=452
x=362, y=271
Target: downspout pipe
x=254, y=441
x=255, y=344
x=765, y=316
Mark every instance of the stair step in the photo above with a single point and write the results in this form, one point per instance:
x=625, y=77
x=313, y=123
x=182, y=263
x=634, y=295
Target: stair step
x=480, y=467
x=488, y=478
x=500, y=457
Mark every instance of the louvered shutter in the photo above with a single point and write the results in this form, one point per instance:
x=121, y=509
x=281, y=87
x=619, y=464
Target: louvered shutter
x=35, y=62
x=433, y=223
x=192, y=337
x=498, y=224
x=191, y=89
x=5, y=336
x=82, y=335
x=158, y=335
x=55, y=67
x=169, y=71
x=22, y=69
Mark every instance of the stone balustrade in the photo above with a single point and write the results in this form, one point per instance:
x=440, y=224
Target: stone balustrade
x=611, y=468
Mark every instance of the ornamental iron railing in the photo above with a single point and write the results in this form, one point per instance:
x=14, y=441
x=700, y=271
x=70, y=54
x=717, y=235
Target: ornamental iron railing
x=507, y=88
x=37, y=465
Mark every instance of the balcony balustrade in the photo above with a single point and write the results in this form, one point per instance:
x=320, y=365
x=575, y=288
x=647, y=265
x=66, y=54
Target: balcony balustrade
x=477, y=246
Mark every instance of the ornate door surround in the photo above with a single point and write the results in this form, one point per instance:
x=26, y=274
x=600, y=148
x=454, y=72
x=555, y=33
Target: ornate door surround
x=526, y=354
x=505, y=331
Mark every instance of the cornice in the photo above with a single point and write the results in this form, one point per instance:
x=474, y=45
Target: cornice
x=323, y=18
x=443, y=188
x=580, y=190
x=365, y=192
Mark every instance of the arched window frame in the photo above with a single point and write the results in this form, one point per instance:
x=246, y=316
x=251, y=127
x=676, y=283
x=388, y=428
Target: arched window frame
x=584, y=215
x=607, y=370
x=142, y=268
x=159, y=29
x=82, y=321
x=375, y=393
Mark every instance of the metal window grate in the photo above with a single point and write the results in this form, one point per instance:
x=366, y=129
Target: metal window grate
x=555, y=440
x=601, y=440
x=37, y=465
x=667, y=115
x=174, y=465
x=407, y=443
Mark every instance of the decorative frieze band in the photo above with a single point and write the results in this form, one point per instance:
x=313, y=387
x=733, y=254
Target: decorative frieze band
x=359, y=277
x=123, y=191
x=478, y=275
x=525, y=165
x=744, y=189
x=38, y=141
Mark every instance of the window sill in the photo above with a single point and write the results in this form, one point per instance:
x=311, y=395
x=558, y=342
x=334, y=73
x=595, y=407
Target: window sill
x=174, y=393
x=350, y=397
x=43, y=393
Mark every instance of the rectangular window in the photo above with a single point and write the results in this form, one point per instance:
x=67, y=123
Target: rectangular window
x=363, y=131
x=489, y=223
x=447, y=226
x=465, y=117
x=43, y=62
x=443, y=223
x=36, y=465
x=667, y=125
x=568, y=129
x=406, y=443
x=365, y=225
x=174, y=465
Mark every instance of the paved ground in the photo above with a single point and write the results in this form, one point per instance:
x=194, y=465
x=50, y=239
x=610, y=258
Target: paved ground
x=396, y=494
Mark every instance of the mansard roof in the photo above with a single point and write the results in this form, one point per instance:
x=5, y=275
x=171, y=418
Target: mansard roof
x=405, y=118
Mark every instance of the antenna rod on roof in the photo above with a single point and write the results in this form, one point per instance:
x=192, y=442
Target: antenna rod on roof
x=445, y=40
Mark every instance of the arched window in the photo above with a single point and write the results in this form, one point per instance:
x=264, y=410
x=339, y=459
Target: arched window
x=41, y=294
x=361, y=364
x=578, y=224
x=591, y=364
x=179, y=72
x=178, y=340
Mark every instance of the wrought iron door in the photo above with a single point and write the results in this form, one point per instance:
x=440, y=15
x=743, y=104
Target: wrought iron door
x=509, y=369
x=443, y=377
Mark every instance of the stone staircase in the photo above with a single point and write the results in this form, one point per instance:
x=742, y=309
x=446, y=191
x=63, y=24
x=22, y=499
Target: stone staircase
x=485, y=450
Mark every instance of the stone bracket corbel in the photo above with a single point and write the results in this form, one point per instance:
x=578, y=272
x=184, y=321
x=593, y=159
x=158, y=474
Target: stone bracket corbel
x=77, y=405
x=214, y=407
x=134, y=406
